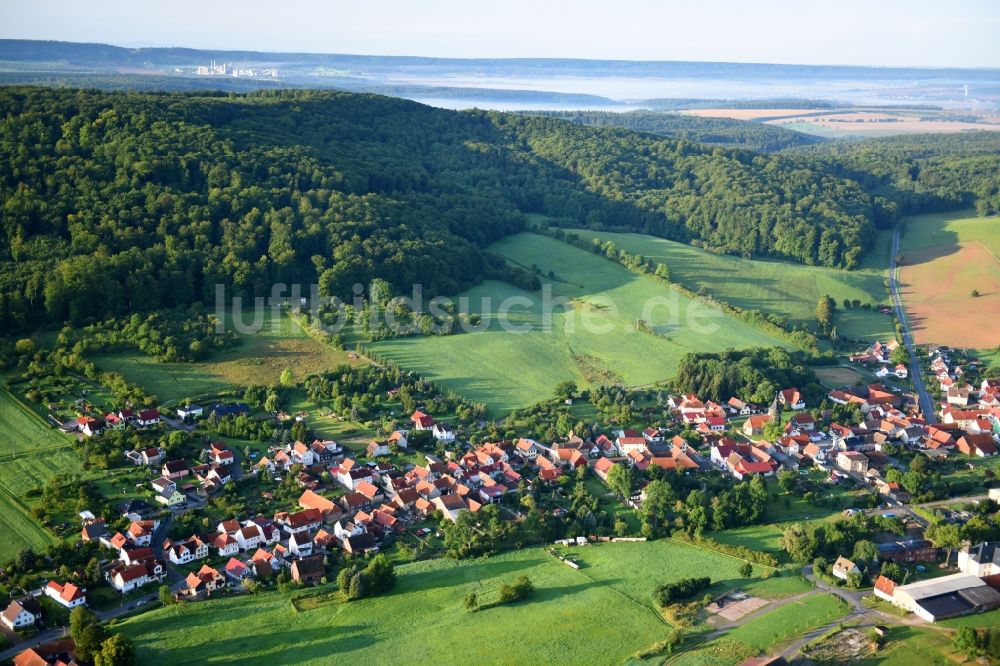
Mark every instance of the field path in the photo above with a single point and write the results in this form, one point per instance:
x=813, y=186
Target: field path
x=926, y=404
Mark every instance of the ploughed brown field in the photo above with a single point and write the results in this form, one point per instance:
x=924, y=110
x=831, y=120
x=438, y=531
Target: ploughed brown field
x=937, y=284
x=826, y=122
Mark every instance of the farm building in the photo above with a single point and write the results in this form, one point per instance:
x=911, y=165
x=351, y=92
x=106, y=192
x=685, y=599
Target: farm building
x=945, y=597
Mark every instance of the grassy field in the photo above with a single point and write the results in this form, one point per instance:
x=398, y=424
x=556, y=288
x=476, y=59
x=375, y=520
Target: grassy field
x=594, y=339
x=945, y=257
x=23, y=430
x=599, y=614
x=764, y=632
x=789, y=290
x=837, y=376
x=259, y=359
x=765, y=538
x=31, y=453
x=19, y=529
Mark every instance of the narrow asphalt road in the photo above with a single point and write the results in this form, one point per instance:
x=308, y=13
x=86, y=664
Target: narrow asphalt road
x=926, y=405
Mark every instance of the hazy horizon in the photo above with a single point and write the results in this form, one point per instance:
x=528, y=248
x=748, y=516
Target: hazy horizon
x=854, y=33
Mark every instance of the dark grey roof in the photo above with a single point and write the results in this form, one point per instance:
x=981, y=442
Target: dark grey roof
x=946, y=605
x=362, y=541
x=983, y=598
x=984, y=552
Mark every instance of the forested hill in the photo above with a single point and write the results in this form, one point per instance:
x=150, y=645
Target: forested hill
x=716, y=131
x=918, y=173
x=115, y=202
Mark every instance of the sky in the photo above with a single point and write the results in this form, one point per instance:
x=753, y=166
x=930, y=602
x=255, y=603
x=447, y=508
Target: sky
x=953, y=33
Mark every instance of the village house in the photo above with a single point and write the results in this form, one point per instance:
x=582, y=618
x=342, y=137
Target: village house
x=443, y=432
x=450, y=506
x=68, y=594
x=907, y=550
x=148, y=418
x=203, y=583
x=127, y=577
x=351, y=472
x=21, y=613
x=249, y=537
x=306, y=520
x=308, y=569
x=982, y=559
x=262, y=560
x=221, y=455
x=885, y=588
x=979, y=445
x=113, y=422
x=803, y=422
x=421, y=421
x=791, y=399
x=175, y=469
x=162, y=484
x=602, y=468
x=360, y=544
x=225, y=544
x=312, y=500
x=140, y=532
x=300, y=544
x=136, y=554
x=741, y=408
x=605, y=447
x=626, y=442
x=189, y=412
x=843, y=568
x=754, y=425
x=743, y=460
x=90, y=426
x=376, y=449
x=301, y=453
x=398, y=437
x=182, y=552
x=959, y=395
x=94, y=530
x=852, y=461
x=237, y=571
x=571, y=458
x=526, y=448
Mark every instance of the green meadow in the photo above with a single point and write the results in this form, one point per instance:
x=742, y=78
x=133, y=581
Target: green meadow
x=789, y=290
x=24, y=430
x=964, y=226
x=601, y=613
x=259, y=359
x=594, y=337
x=764, y=632
x=31, y=453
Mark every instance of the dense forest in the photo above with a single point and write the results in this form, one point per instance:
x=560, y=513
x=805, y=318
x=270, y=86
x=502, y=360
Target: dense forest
x=115, y=202
x=754, y=375
x=918, y=174
x=726, y=132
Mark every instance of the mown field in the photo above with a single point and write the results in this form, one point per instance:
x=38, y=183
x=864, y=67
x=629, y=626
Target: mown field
x=789, y=290
x=19, y=529
x=837, y=376
x=946, y=257
x=762, y=633
x=259, y=359
x=23, y=430
x=600, y=614
x=908, y=645
x=31, y=453
x=595, y=339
